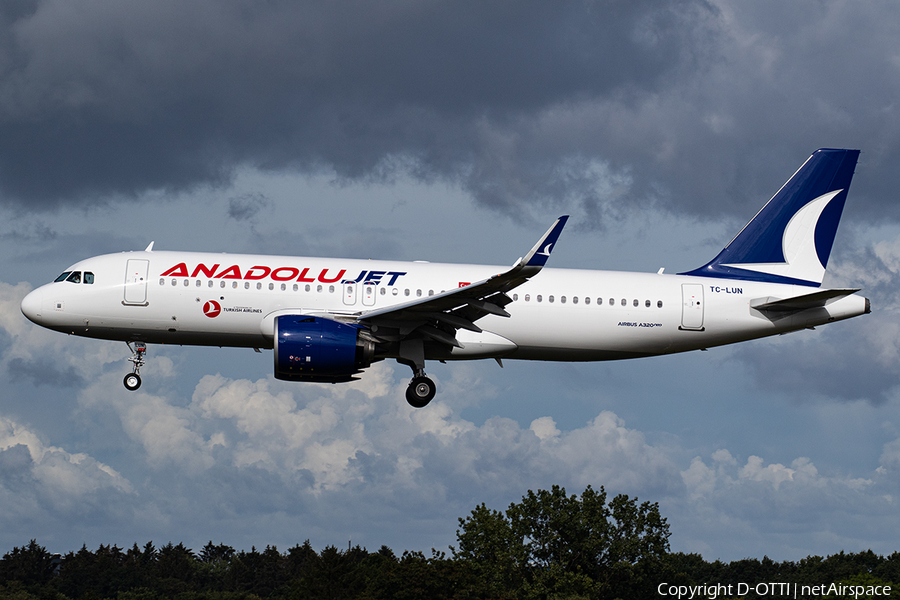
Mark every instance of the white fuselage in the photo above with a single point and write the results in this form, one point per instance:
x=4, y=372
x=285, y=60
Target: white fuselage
x=560, y=314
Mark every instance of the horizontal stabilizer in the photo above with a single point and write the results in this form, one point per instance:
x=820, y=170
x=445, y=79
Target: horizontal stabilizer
x=797, y=303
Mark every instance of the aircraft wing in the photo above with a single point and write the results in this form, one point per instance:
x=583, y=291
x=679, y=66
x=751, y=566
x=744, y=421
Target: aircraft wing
x=439, y=316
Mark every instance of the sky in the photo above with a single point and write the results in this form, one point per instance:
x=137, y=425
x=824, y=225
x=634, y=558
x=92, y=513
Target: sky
x=448, y=132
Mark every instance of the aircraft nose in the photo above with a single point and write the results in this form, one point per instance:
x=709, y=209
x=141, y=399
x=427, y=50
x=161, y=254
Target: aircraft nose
x=31, y=305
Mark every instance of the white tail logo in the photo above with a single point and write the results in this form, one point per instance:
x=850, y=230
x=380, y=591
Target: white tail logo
x=799, y=245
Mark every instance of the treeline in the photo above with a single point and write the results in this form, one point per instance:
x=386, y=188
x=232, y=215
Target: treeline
x=219, y=572
x=551, y=545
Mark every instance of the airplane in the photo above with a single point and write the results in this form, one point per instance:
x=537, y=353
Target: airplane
x=328, y=319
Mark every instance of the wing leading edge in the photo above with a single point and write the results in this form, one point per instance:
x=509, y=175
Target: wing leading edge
x=438, y=317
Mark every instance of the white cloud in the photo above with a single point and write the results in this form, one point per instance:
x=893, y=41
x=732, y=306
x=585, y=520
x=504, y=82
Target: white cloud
x=357, y=458
x=544, y=428
x=760, y=508
x=11, y=319
x=361, y=443
x=61, y=480
x=773, y=473
x=890, y=457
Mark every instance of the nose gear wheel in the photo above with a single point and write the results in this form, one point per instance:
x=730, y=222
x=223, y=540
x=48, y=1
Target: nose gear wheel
x=132, y=380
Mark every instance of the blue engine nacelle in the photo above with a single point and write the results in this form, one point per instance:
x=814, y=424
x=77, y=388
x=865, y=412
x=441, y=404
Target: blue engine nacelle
x=317, y=349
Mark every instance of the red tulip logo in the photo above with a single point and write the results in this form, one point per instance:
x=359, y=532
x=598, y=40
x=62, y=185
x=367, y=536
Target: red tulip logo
x=212, y=309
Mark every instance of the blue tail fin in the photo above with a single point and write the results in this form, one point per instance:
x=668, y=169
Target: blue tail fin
x=790, y=239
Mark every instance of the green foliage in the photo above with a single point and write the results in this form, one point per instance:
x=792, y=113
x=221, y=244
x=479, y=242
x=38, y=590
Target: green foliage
x=550, y=546
x=30, y=565
x=555, y=545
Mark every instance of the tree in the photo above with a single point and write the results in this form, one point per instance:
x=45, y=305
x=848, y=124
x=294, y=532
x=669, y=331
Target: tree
x=555, y=544
x=29, y=565
x=488, y=541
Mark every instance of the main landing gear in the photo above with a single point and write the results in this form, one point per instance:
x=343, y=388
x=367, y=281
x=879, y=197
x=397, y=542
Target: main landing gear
x=421, y=390
x=132, y=381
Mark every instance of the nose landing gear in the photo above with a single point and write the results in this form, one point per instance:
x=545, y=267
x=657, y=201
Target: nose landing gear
x=132, y=381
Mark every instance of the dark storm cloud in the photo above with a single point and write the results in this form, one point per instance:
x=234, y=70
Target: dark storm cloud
x=43, y=372
x=106, y=97
x=247, y=206
x=592, y=106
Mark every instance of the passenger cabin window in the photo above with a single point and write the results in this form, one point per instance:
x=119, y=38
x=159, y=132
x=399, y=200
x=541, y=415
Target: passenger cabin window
x=75, y=277
x=62, y=277
x=88, y=277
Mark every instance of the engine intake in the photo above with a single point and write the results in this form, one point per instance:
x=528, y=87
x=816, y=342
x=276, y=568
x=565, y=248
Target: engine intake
x=318, y=349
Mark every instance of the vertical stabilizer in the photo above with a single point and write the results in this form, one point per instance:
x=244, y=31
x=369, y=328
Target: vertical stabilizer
x=790, y=239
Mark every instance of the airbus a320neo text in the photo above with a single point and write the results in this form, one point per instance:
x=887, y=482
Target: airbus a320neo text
x=327, y=319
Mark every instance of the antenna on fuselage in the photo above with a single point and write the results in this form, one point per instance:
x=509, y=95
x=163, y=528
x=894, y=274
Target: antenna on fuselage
x=150, y=247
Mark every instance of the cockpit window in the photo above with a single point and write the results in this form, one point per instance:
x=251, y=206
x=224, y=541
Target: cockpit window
x=62, y=277
x=75, y=277
x=88, y=277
